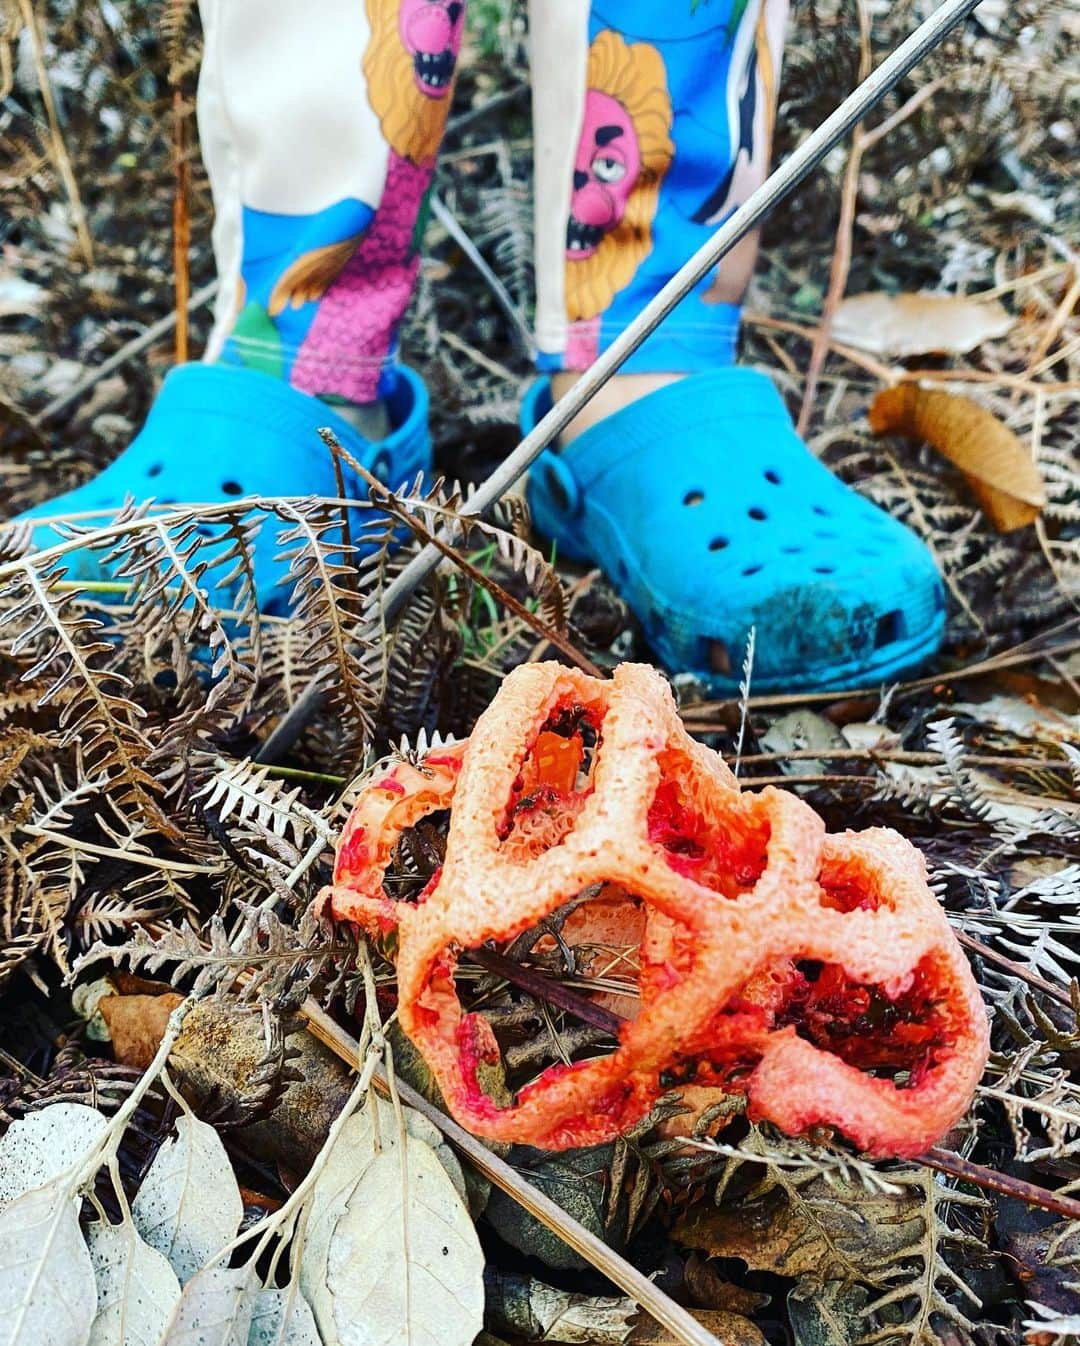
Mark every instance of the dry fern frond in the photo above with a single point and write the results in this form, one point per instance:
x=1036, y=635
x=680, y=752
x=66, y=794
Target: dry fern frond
x=245, y=792
x=185, y=572
x=889, y=1230
x=327, y=612
x=51, y=627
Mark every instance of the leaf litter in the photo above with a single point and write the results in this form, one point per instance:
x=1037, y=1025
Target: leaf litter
x=135, y=823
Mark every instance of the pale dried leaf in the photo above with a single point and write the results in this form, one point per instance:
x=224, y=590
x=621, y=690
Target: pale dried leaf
x=47, y=1293
x=282, y=1318
x=45, y=1144
x=189, y=1205
x=403, y=1263
x=137, y=1290
x=353, y=1151
x=214, y=1310
x=897, y=325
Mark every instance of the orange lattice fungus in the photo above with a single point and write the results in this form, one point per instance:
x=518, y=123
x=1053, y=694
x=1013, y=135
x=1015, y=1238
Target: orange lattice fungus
x=814, y=973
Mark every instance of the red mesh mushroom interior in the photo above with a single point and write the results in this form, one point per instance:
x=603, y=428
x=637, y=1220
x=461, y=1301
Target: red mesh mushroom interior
x=815, y=973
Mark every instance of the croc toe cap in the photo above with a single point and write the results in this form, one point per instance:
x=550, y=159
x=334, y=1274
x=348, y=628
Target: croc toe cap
x=713, y=519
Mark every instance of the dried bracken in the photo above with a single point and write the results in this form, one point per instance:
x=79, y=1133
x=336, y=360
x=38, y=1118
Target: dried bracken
x=814, y=973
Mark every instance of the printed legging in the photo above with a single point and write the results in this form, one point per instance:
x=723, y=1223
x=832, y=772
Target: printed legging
x=320, y=123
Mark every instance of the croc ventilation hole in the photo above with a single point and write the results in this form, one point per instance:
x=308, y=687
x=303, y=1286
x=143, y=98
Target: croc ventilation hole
x=820, y=509
x=751, y=570
x=718, y=544
x=232, y=488
x=154, y=470
x=890, y=627
x=692, y=498
x=719, y=657
x=757, y=514
x=771, y=475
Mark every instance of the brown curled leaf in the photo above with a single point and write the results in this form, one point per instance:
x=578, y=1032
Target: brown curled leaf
x=997, y=466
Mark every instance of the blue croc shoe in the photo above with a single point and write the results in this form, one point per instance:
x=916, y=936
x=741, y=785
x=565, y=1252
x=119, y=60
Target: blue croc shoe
x=711, y=517
x=218, y=433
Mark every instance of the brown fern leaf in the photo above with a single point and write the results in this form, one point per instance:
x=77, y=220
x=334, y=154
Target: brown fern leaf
x=52, y=628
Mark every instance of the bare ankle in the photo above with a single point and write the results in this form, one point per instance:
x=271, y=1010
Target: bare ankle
x=372, y=419
x=617, y=393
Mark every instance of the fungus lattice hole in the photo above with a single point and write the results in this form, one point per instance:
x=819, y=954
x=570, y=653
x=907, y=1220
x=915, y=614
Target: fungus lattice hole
x=898, y=1039
x=591, y=943
x=555, y=779
x=596, y=935
x=417, y=857
x=726, y=851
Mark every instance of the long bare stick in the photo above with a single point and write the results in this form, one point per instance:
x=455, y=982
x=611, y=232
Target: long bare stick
x=181, y=224
x=754, y=209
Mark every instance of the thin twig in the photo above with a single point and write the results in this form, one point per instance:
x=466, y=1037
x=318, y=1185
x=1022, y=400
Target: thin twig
x=181, y=225
x=898, y=756
x=502, y=295
x=1027, y=1192
x=1015, y=969
x=841, y=259
x=56, y=137
x=704, y=710
x=385, y=499
x=546, y=988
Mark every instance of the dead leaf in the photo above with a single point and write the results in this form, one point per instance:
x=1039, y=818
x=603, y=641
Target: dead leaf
x=189, y=1206
x=730, y=1328
x=530, y=1308
x=832, y=1232
x=796, y=731
x=137, y=1290
x=47, y=1292
x=709, y=1290
x=389, y=1252
x=896, y=325
x=995, y=463
x=1040, y=1253
x=136, y=1024
x=44, y=1145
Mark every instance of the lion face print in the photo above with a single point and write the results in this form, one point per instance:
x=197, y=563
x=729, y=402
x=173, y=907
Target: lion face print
x=606, y=171
x=430, y=32
x=409, y=65
x=623, y=152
